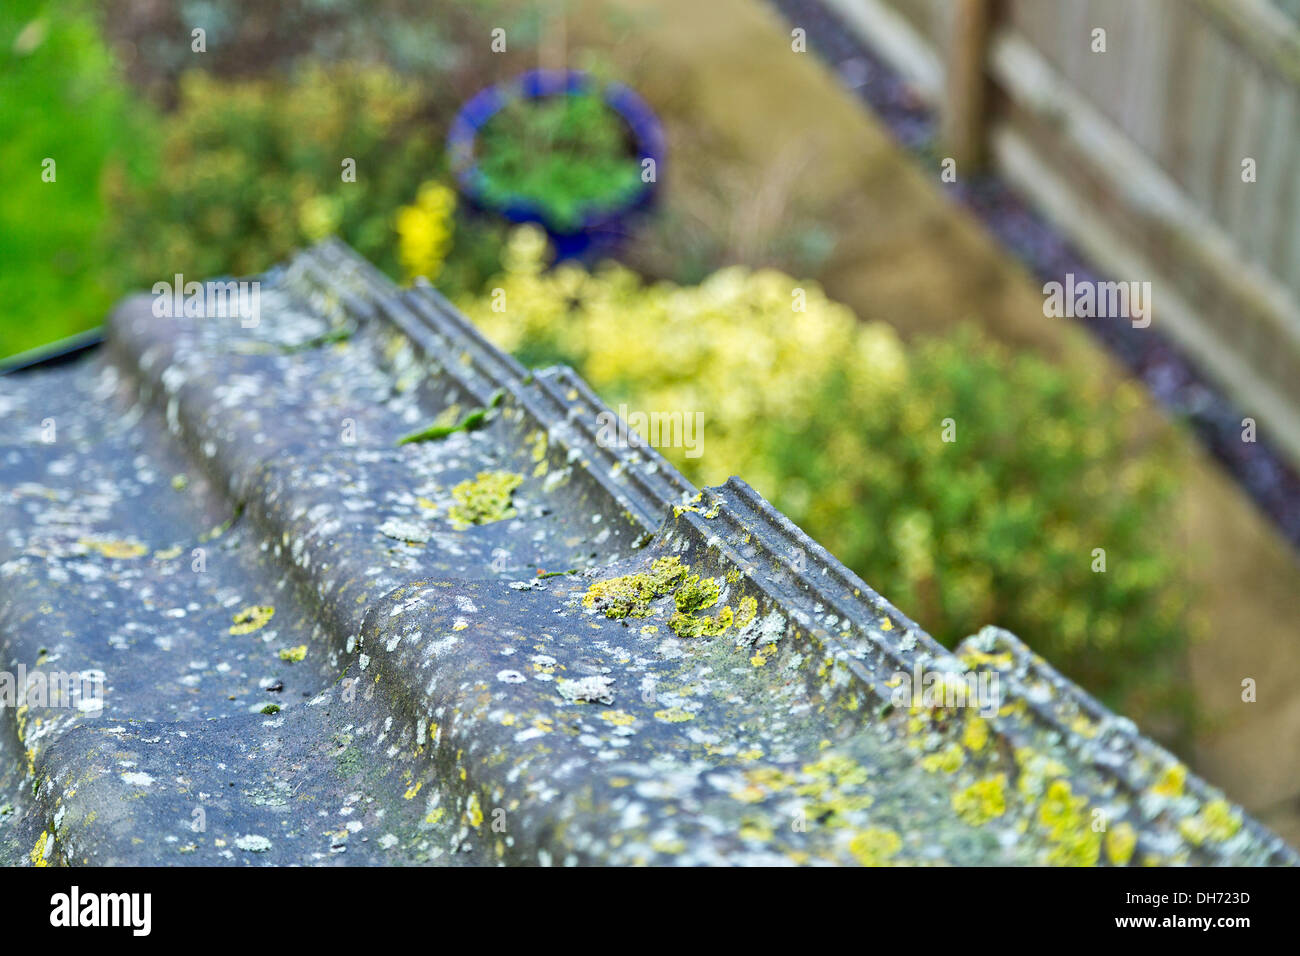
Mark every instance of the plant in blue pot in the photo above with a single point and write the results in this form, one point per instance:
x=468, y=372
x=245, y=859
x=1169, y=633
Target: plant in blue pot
x=558, y=148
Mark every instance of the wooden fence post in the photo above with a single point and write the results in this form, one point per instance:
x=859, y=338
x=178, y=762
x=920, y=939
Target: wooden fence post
x=966, y=85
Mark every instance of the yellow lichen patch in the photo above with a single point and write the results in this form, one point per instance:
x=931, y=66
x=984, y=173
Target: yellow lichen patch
x=485, y=499
x=473, y=811
x=1121, y=840
x=674, y=715
x=948, y=760
x=1171, y=782
x=976, y=735
x=252, y=618
x=762, y=781
x=629, y=595
x=1215, y=823
x=37, y=856
x=982, y=801
x=875, y=847
x=679, y=510
x=693, y=625
x=696, y=594
x=1084, y=727
x=974, y=657
x=833, y=788
x=294, y=654
x=1035, y=771
x=114, y=547
x=544, y=724
x=539, y=441
x=748, y=610
x=167, y=554
x=755, y=828
x=413, y=790
x=619, y=718
x=1074, y=842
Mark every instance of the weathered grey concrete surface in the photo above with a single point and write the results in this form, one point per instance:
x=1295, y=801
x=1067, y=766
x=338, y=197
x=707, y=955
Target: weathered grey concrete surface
x=506, y=644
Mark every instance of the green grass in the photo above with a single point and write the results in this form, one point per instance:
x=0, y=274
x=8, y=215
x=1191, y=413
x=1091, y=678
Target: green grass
x=63, y=100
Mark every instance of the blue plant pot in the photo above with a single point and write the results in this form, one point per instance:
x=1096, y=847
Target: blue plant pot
x=601, y=229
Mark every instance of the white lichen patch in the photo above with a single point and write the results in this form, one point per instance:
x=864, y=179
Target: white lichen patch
x=404, y=529
x=594, y=689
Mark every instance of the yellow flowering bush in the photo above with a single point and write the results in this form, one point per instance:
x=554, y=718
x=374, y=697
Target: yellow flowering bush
x=843, y=427
x=424, y=231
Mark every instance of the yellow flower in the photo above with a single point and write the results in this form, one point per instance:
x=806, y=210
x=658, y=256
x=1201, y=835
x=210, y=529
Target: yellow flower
x=424, y=230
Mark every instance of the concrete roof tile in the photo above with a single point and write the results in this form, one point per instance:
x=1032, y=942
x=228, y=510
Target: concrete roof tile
x=511, y=643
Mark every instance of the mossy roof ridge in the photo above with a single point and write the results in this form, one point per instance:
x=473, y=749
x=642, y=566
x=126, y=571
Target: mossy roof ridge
x=505, y=644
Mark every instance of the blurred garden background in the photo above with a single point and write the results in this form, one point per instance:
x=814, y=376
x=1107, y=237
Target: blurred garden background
x=775, y=179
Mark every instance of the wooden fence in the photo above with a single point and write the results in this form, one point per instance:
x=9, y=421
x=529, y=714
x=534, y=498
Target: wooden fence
x=1144, y=153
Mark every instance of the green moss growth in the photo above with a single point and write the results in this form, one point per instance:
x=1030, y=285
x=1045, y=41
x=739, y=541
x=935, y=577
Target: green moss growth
x=473, y=419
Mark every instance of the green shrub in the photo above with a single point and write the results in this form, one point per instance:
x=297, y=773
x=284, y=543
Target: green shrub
x=250, y=170
x=843, y=428
x=568, y=154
